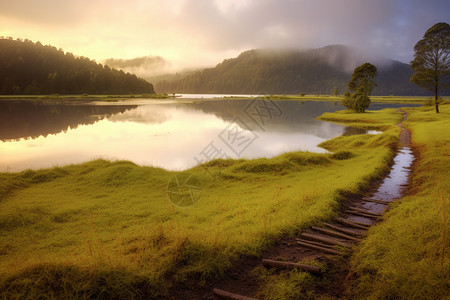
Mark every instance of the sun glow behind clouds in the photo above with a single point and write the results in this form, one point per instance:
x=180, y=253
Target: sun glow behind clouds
x=204, y=32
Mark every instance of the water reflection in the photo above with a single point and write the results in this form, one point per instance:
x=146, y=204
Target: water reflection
x=31, y=119
x=355, y=130
x=393, y=184
x=159, y=133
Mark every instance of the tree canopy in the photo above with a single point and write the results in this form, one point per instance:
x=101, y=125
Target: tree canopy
x=31, y=68
x=361, y=85
x=431, y=62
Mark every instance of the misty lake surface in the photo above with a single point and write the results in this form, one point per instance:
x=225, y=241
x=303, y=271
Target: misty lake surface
x=175, y=135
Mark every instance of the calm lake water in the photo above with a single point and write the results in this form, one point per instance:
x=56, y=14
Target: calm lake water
x=164, y=133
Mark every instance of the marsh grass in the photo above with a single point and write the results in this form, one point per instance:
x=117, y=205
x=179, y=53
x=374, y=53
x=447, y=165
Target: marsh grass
x=381, y=120
x=108, y=230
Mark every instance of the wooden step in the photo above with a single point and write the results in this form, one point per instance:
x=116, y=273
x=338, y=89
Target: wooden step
x=317, y=243
x=335, y=233
x=353, y=223
x=376, y=201
x=227, y=295
x=307, y=244
x=364, y=211
x=323, y=239
x=290, y=265
x=360, y=214
x=344, y=230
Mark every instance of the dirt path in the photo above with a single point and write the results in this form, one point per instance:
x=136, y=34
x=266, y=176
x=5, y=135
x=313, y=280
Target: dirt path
x=405, y=134
x=330, y=243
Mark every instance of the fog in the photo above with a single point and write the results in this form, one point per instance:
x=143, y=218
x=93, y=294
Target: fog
x=146, y=66
x=191, y=33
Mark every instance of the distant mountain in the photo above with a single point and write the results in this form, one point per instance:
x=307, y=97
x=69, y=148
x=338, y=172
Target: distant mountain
x=313, y=71
x=31, y=68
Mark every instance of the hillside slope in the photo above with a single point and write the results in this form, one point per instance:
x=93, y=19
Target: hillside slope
x=31, y=68
x=314, y=71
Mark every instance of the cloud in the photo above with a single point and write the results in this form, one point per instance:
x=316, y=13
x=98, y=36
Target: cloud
x=146, y=66
x=204, y=32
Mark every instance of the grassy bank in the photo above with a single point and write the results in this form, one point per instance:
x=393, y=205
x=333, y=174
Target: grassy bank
x=407, y=255
x=382, y=120
x=107, y=229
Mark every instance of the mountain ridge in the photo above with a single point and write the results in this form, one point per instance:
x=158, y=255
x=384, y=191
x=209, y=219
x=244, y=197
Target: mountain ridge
x=32, y=68
x=292, y=71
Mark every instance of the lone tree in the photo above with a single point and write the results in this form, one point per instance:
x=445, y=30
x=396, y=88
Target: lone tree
x=431, y=62
x=361, y=84
x=336, y=91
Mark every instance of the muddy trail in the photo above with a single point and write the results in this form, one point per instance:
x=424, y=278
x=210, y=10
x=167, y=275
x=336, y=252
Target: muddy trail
x=329, y=243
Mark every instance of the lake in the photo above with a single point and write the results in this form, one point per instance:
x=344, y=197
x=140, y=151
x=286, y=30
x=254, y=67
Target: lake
x=174, y=135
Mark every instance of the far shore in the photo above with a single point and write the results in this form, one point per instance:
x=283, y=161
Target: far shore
x=184, y=97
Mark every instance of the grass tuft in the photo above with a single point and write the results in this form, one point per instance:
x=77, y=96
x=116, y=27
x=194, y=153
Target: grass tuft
x=342, y=155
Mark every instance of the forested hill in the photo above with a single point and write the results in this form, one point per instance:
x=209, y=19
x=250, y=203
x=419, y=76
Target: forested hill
x=315, y=71
x=31, y=68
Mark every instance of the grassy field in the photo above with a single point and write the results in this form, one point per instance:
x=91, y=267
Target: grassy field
x=407, y=256
x=107, y=229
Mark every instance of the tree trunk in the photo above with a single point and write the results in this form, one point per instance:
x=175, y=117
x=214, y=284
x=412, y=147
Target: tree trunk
x=436, y=85
x=436, y=104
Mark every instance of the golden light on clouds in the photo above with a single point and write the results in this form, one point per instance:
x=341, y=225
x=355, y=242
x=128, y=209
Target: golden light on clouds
x=192, y=33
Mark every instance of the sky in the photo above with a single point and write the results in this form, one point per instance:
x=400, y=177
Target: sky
x=200, y=33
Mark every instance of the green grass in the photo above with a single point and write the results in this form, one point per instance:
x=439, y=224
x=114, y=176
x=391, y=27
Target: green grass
x=107, y=229
x=407, y=255
x=370, y=119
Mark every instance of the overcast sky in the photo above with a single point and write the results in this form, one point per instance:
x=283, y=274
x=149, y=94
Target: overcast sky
x=204, y=32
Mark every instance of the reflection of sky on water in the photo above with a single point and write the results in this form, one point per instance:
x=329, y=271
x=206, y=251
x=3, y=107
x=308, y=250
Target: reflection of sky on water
x=167, y=136
x=159, y=133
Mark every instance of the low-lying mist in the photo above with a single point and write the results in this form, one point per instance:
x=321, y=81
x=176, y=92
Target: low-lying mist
x=341, y=57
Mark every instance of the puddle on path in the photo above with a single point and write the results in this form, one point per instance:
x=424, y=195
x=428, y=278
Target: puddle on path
x=392, y=186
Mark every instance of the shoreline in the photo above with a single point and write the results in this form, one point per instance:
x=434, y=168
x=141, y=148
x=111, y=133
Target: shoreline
x=185, y=97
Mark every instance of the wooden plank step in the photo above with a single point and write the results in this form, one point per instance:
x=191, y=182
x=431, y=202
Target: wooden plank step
x=227, y=295
x=317, y=243
x=353, y=223
x=376, y=201
x=306, y=244
x=360, y=214
x=364, y=211
x=344, y=230
x=290, y=265
x=322, y=239
x=335, y=233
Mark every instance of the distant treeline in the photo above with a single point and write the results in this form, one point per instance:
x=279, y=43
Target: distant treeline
x=314, y=71
x=32, y=68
